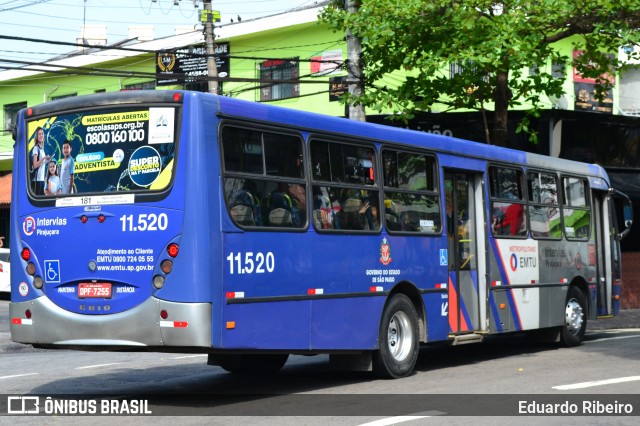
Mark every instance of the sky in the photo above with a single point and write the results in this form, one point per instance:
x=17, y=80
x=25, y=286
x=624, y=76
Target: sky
x=61, y=20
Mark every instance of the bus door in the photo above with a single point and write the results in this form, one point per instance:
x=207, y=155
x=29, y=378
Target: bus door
x=466, y=254
x=605, y=250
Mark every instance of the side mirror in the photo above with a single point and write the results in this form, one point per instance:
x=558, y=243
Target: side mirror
x=627, y=212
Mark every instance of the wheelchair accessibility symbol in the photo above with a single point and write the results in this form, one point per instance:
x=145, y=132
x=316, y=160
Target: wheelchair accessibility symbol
x=444, y=257
x=52, y=271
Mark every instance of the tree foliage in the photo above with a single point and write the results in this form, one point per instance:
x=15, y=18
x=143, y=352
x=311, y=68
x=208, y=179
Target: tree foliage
x=492, y=44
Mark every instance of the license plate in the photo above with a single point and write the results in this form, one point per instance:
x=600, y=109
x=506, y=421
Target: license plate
x=94, y=290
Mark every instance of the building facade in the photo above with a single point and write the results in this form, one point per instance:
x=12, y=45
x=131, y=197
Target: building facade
x=292, y=60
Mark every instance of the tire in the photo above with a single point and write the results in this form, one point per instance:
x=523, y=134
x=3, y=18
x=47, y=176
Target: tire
x=575, y=318
x=260, y=364
x=397, y=339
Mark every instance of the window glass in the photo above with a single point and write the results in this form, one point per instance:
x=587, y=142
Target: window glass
x=348, y=201
x=545, y=222
x=412, y=212
x=266, y=203
x=342, y=163
x=544, y=213
x=411, y=203
x=11, y=114
x=345, y=209
x=577, y=218
x=543, y=188
x=242, y=150
x=508, y=219
x=508, y=210
x=275, y=70
x=505, y=183
x=264, y=183
x=283, y=155
x=415, y=172
x=574, y=192
x=577, y=223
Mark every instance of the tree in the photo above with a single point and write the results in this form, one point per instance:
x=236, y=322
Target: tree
x=475, y=54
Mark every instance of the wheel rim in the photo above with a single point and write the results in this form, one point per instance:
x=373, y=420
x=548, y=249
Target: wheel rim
x=573, y=316
x=399, y=336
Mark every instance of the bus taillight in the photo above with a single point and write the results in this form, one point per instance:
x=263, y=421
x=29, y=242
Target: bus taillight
x=166, y=266
x=84, y=218
x=31, y=268
x=38, y=282
x=25, y=254
x=158, y=281
x=176, y=97
x=101, y=218
x=173, y=249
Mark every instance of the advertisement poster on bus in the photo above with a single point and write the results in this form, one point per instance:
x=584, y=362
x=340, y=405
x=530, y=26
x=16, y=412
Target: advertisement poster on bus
x=106, y=151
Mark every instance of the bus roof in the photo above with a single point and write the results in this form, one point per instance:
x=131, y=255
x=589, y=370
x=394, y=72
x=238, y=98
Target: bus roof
x=313, y=122
x=377, y=132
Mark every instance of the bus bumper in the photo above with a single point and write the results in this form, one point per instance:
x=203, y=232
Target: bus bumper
x=187, y=325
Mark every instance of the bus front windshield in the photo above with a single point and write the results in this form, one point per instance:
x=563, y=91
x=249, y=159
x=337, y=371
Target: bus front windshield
x=101, y=151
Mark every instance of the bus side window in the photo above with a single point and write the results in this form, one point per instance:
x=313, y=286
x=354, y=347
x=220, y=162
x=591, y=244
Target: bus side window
x=411, y=201
x=264, y=178
x=544, y=211
x=508, y=213
x=350, y=204
x=576, y=210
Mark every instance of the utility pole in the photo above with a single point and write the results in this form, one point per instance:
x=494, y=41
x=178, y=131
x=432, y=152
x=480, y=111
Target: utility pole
x=212, y=67
x=355, y=79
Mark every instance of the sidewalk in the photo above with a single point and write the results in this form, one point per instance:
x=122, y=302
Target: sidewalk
x=629, y=318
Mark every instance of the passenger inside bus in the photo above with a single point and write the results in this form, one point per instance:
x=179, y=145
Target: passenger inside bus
x=356, y=211
x=323, y=208
x=284, y=206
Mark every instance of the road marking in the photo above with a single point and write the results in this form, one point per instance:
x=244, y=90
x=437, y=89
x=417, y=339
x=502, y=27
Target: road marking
x=393, y=420
x=18, y=375
x=598, y=383
x=611, y=338
x=96, y=366
x=188, y=356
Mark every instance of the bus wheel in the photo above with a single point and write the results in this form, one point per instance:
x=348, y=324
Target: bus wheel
x=398, y=339
x=575, y=320
x=250, y=363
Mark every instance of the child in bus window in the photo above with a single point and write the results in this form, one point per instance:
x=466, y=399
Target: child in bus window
x=66, y=168
x=52, y=183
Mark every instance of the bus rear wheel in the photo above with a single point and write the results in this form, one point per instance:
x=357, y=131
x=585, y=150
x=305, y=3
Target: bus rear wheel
x=398, y=339
x=262, y=364
x=575, y=320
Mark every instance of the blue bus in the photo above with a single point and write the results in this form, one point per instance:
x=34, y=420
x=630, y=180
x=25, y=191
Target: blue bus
x=178, y=221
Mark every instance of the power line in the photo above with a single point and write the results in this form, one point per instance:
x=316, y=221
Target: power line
x=132, y=49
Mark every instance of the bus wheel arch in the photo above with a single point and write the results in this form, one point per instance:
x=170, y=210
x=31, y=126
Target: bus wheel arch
x=398, y=338
x=410, y=290
x=575, y=315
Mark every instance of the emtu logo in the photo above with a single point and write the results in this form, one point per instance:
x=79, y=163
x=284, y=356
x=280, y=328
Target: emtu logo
x=514, y=262
x=29, y=225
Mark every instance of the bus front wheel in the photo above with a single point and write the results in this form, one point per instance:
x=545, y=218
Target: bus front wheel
x=575, y=318
x=250, y=363
x=397, y=338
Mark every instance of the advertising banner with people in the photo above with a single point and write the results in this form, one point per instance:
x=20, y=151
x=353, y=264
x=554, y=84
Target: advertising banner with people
x=112, y=150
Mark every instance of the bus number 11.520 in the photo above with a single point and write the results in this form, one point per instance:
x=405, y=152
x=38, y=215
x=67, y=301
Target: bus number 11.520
x=144, y=222
x=251, y=263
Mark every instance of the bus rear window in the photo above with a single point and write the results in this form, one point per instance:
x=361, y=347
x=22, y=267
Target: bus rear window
x=113, y=150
